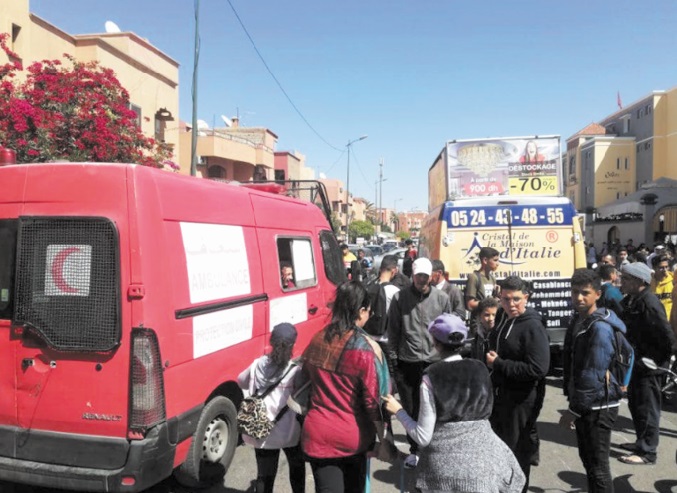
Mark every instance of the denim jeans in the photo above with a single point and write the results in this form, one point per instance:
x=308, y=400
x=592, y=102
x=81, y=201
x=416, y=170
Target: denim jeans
x=593, y=432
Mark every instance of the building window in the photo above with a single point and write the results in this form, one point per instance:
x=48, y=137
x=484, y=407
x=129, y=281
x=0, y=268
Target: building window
x=279, y=175
x=647, y=145
x=618, y=195
x=136, y=109
x=159, y=129
x=587, y=190
x=648, y=109
x=216, y=172
x=618, y=163
x=626, y=125
x=259, y=173
x=16, y=31
x=639, y=147
x=639, y=113
x=627, y=166
x=572, y=165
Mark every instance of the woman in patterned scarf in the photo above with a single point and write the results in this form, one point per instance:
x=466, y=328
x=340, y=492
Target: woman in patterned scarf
x=348, y=375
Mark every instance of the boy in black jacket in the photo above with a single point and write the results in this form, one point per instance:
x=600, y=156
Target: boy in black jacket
x=520, y=358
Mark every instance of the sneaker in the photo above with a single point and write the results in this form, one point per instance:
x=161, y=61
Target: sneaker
x=411, y=461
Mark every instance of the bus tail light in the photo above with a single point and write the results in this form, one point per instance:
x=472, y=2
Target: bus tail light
x=147, y=403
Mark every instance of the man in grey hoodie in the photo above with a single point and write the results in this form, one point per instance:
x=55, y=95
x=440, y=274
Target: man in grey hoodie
x=410, y=349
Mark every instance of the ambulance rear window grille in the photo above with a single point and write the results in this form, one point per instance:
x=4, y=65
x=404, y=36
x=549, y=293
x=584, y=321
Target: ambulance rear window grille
x=67, y=282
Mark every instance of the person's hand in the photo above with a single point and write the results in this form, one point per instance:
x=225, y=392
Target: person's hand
x=568, y=421
x=491, y=357
x=391, y=404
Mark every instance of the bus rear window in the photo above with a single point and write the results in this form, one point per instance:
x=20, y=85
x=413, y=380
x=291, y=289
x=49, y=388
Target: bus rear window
x=8, y=228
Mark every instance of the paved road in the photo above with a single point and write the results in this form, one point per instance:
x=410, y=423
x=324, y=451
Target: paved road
x=560, y=469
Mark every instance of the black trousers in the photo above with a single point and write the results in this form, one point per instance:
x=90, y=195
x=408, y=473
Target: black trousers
x=644, y=402
x=266, y=465
x=513, y=419
x=408, y=377
x=593, y=432
x=346, y=474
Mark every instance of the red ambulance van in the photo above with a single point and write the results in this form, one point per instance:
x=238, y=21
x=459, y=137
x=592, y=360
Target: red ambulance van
x=130, y=299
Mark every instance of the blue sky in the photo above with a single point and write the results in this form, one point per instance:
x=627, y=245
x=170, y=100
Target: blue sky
x=410, y=75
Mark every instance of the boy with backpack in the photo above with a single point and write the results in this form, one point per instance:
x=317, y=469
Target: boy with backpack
x=381, y=292
x=596, y=368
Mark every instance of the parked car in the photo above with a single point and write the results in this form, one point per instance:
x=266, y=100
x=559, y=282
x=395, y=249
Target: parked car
x=389, y=246
x=376, y=249
x=398, y=252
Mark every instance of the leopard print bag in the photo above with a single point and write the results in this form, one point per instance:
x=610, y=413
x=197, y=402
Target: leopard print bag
x=252, y=416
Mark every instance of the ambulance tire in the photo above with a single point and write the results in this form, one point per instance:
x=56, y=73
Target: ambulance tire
x=213, y=445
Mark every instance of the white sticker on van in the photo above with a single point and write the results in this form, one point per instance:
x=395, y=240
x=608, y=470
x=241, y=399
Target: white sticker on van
x=292, y=309
x=219, y=330
x=216, y=258
x=68, y=270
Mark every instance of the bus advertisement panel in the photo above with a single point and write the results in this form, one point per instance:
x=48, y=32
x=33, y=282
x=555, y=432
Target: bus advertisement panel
x=539, y=240
x=504, y=166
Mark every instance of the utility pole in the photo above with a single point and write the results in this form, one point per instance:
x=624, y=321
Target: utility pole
x=193, y=137
x=380, y=197
x=376, y=194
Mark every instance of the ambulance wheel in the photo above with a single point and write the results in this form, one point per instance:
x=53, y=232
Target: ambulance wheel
x=213, y=445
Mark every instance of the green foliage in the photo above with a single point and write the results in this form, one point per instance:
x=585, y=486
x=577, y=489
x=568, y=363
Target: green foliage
x=362, y=229
x=403, y=235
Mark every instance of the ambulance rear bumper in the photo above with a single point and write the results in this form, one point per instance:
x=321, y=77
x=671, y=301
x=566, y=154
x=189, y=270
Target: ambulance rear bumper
x=149, y=461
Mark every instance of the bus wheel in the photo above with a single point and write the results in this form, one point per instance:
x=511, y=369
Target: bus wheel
x=213, y=445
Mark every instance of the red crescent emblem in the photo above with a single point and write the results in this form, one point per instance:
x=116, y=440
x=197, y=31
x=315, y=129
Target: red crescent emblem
x=57, y=270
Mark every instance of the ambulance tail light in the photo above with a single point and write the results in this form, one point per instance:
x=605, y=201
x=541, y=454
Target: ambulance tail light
x=147, y=403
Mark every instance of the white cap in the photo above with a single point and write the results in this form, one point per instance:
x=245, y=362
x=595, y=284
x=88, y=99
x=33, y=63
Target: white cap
x=422, y=266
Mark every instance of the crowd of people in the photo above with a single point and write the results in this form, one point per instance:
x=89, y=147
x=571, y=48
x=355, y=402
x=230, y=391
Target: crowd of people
x=469, y=371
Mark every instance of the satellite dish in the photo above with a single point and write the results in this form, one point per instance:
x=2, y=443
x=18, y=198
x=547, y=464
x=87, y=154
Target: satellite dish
x=112, y=27
x=202, y=125
x=323, y=176
x=227, y=121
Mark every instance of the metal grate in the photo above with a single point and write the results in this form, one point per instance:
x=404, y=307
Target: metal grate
x=67, y=282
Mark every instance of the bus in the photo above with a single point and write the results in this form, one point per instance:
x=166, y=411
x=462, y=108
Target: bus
x=539, y=239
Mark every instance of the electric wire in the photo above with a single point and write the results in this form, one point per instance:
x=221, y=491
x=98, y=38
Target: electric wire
x=251, y=40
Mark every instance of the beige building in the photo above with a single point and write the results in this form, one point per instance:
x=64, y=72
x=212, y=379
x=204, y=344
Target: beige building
x=291, y=166
x=149, y=75
x=230, y=153
x=337, y=199
x=411, y=222
x=619, y=171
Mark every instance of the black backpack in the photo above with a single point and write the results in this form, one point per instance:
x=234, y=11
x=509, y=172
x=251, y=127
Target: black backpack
x=378, y=316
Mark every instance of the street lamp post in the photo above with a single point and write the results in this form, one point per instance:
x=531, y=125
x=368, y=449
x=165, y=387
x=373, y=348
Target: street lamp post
x=350, y=142
x=397, y=219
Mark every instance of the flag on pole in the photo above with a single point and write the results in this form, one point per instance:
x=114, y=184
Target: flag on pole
x=618, y=100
